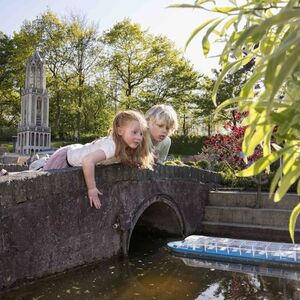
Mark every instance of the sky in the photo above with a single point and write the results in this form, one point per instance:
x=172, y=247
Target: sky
x=176, y=24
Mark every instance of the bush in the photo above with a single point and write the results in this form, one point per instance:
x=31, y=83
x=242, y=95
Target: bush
x=6, y=133
x=175, y=162
x=83, y=140
x=229, y=178
x=186, y=145
x=202, y=164
x=190, y=163
x=228, y=146
x=221, y=166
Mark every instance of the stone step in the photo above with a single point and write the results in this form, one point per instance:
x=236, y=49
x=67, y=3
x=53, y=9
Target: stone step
x=251, y=232
x=251, y=216
x=249, y=199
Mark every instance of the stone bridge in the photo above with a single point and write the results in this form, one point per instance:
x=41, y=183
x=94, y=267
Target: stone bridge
x=47, y=225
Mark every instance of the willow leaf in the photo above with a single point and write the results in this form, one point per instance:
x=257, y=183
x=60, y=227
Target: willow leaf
x=249, y=32
x=275, y=180
x=228, y=24
x=276, y=147
x=205, y=41
x=285, y=183
x=248, y=136
x=250, y=84
x=228, y=102
x=262, y=163
x=196, y=31
x=288, y=65
x=289, y=159
x=267, y=144
x=220, y=78
x=270, y=72
x=257, y=137
x=293, y=220
x=224, y=9
x=257, y=31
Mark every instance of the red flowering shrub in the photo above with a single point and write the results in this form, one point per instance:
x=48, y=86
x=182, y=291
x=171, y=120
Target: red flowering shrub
x=228, y=146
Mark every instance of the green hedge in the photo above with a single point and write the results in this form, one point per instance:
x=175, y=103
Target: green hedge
x=187, y=145
x=6, y=133
x=83, y=140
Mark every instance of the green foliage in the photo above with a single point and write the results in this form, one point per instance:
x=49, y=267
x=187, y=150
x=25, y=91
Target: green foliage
x=6, y=133
x=202, y=164
x=230, y=86
x=91, y=76
x=147, y=70
x=71, y=51
x=57, y=143
x=8, y=145
x=222, y=166
x=231, y=180
x=186, y=145
x=267, y=33
x=175, y=162
x=9, y=98
x=229, y=177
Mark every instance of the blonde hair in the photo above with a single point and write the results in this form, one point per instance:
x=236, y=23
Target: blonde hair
x=141, y=156
x=165, y=113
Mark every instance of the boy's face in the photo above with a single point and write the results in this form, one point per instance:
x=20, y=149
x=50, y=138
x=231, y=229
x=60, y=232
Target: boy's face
x=159, y=130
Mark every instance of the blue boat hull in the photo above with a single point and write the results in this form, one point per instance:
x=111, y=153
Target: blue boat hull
x=240, y=250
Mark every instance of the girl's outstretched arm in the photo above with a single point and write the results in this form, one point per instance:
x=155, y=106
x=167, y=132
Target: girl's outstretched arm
x=88, y=167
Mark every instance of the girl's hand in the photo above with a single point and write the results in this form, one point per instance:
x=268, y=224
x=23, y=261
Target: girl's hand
x=93, y=195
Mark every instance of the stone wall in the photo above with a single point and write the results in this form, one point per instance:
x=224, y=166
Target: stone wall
x=47, y=225
x=13, y=167
x=245, y=215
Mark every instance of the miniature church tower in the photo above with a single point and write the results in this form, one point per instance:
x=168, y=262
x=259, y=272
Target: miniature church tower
x=33, y=132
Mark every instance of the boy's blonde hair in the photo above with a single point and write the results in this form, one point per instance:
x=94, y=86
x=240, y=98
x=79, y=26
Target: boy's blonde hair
x=165, y=113
x=141, y=156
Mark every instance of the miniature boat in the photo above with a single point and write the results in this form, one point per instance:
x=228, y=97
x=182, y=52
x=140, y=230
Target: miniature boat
x=236, y=249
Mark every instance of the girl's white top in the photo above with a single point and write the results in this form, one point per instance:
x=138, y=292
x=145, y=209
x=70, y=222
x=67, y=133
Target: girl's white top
x=77, y=152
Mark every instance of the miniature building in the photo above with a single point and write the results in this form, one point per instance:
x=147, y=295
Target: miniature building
x=34, y=133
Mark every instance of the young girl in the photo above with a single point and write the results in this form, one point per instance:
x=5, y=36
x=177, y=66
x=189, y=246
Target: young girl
x=162, y=122
x=128, y=144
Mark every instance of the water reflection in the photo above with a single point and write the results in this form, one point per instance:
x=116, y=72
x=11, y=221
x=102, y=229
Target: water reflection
x=154, y=273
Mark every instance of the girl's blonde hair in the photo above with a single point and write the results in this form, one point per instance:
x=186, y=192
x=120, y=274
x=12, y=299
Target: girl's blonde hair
x=164, y=113
x=141, y=156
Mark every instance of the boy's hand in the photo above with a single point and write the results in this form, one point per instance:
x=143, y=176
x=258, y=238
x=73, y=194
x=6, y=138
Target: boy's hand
x=93, y=195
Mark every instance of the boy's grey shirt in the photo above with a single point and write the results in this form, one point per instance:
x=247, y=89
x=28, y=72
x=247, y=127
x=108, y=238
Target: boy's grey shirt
x=161, y=150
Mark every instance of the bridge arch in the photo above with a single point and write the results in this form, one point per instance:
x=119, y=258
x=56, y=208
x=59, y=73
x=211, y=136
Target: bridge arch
x=159, y=212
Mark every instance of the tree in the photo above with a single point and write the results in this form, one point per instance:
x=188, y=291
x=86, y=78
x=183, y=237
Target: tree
x=145, y=70
x=9, y=108
x=267, y=33
x=133, y=56
x=71, y=52
x=229, y=87
x=85, y=51
x=175, y=83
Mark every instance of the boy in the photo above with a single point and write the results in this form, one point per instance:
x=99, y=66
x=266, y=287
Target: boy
x=162, y=122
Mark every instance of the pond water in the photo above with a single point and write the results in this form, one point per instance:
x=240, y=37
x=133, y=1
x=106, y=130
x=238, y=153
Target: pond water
x=152, y=272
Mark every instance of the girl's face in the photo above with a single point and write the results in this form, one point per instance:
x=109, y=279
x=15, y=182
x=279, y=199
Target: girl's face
x=159, y=130
x=131, y=133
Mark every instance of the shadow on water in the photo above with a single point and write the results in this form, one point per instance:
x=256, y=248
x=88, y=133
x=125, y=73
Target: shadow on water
x=152, y=272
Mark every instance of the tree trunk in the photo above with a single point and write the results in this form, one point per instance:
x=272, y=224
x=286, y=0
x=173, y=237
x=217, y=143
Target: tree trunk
x=208, y=129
